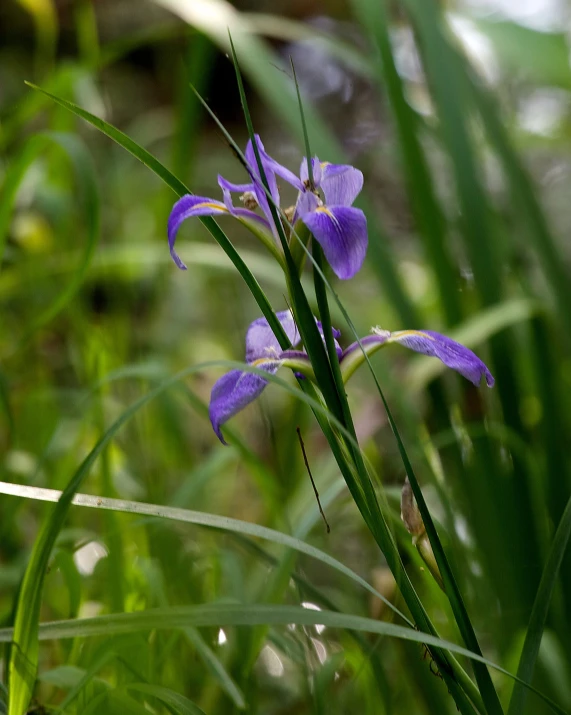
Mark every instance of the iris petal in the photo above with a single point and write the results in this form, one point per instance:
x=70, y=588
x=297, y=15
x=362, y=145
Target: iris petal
x=452, y=354
x=307, y=202
x=234, y=391
x=342, y=233
x=270, y=177
x=186, y=207
x=228, y=186
x=316, y=167
x=224, y=184
x=261, y=341
x=341, y=184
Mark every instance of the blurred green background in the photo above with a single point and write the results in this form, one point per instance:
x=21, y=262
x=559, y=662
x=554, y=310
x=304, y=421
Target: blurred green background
x=458, y=114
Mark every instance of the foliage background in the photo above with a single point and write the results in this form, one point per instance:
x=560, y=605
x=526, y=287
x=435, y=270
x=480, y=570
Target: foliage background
x=467, y=195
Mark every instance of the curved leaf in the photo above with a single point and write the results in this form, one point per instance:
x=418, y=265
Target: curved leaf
x=178, y=702
x=247, y=615
x=201, y=519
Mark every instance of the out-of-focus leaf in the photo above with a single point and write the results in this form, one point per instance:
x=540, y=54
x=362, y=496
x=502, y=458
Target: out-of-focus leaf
x=64, y=676
x=215, y=666
x=83, y=167
x=541, y=57
x=539, y=612
x=194, y=517
x=180, y=189
x=180, y=704
x=247, y=615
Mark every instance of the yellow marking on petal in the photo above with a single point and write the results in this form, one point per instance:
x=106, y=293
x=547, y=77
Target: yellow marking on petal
x=411, y=333
x=327, y=212
x=264, y=361
x=210, y=205
x=323, y=164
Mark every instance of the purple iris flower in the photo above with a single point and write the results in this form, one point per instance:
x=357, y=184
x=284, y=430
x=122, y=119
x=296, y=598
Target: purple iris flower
x=324, y=206
x=337, y=226
x=253, y=195
x=235, y=390
x=427, y=342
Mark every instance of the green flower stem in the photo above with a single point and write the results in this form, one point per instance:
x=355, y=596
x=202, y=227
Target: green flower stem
x=299, y=239
x=300, y=365
x=354, y=360
x=266, y=239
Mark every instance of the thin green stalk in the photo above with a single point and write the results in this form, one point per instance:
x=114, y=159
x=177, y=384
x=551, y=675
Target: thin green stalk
x=337, y=403
x=539, y=612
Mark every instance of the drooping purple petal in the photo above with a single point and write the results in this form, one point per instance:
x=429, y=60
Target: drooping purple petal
x=452, y=354
x=232, y=392
x=186, y=207
x=342, y=233
x=341, y=184
x=316, y=167
x=261, y=341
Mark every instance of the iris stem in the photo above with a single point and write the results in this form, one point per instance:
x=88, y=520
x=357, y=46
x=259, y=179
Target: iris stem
x=266, y=239
x=301, y=366
x=298, y=241
x=353, y=356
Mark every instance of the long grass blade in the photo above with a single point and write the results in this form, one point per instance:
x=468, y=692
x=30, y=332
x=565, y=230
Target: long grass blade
x=424, y=203
x=23, y=661
x=176, y=701
x=180, y=189
x=539, y=612
x=250, y=615
x=201, y=519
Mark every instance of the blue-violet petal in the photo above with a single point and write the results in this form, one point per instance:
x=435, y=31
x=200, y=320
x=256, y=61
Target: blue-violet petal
x=186, y=207
x=234, y=391
x=341, y=184
x=342, y=233
x=452, y=354
x=261, y=341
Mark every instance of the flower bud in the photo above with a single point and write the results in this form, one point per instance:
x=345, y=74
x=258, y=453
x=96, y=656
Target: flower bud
x=414, y=524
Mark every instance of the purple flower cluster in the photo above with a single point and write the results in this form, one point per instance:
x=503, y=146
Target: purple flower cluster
x=232, y=392
x=336, y=225
x=325, y=205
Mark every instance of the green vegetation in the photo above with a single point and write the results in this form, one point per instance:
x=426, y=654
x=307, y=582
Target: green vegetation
x=146, y=567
